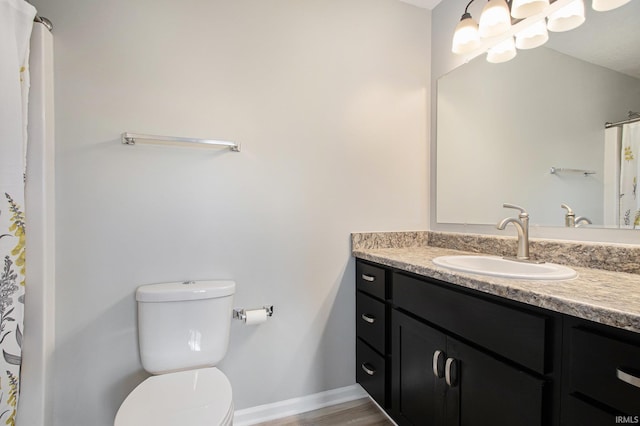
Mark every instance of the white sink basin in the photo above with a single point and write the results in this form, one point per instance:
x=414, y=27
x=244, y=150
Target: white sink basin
x=499, y=267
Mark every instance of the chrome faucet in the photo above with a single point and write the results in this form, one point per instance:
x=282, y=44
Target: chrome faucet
x=570, y=219
x=584, y=219
x=522, y=226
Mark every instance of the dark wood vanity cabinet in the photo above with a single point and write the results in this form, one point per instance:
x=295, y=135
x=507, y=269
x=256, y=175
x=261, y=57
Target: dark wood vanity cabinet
x=457, y=384
x=601, y=375
x=433, y=353
x=455, y=357
x=460, y=359
x=371, y=332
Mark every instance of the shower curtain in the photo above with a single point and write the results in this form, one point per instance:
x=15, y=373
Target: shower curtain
x=16, y=22
x=629, y=172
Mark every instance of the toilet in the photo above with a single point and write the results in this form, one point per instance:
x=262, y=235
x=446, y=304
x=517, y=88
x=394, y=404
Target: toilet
x=183, y=332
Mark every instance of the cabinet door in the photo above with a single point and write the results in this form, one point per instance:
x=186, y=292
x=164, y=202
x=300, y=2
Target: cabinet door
x=417, y=395
x=492, y=393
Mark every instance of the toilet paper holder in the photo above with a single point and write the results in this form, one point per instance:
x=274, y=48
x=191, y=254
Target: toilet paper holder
x=239, y=313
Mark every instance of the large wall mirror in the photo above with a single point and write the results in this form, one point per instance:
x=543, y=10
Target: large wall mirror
x=501, y=128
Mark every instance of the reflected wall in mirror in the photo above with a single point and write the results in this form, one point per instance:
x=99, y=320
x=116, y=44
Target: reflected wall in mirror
x=502, y=127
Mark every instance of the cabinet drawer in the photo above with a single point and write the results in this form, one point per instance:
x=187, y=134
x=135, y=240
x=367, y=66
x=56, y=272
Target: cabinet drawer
x=510, y=332
x=370, y=321
x=370, y=279
x=606, y=370
x=580, y=413
x=370, y=372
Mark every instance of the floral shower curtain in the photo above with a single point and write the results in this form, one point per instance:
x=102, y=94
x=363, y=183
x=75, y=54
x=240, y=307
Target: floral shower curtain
x=629, y=172
x=16, y=22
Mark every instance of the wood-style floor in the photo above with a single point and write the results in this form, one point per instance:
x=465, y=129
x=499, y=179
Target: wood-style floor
x=361, y=412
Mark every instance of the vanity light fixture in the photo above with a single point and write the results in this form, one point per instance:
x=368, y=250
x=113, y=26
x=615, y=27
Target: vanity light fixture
x=567, y=18
x=521, y=9
x=605, y=5
x=466, y=38
x=533, y=36
x=502, y=52
x=495, y=19
x=527, y=20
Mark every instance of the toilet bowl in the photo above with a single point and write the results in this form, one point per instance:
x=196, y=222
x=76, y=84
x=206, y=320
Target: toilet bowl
x=193, y=397
x=183, y=332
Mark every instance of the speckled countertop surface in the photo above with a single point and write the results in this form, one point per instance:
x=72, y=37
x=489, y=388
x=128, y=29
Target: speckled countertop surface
x=611, y=298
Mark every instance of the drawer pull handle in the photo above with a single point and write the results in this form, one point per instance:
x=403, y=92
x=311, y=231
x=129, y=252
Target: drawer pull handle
x=369, y=278
x=628, y=378
x=368, y=318
x=450, y=372
x=368, y=369
x=438, y=364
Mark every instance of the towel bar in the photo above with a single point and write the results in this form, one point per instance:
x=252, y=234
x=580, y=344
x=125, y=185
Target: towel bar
x=131, y=138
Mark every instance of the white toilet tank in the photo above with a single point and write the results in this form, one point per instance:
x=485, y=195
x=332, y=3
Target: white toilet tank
x=184, y=325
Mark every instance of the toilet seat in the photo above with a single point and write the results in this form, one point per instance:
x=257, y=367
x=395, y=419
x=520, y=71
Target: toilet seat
x=199, y=397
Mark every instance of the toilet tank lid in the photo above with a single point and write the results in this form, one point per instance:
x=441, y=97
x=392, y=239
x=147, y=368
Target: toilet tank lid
x=186, y=290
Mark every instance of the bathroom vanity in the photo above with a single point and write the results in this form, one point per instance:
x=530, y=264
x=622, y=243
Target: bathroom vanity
x=447, y=348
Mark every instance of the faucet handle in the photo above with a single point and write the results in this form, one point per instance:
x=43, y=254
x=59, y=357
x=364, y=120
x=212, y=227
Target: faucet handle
x=513, y=206
x=569, y=211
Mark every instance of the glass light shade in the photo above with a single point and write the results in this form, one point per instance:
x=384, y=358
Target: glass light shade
x=533, y=36
x=521, y=9
x=604, y=5
x=495, y=19
x=502, y=52
x=567, y=18
x=465, y=38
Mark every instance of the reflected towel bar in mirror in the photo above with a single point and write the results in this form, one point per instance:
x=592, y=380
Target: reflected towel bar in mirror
x=556, y=170
x=131, y=139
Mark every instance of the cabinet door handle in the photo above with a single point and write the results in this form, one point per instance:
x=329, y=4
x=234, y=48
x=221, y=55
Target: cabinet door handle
x=628, y=378
x=438, y=364
x=368, y=369
x=451, y=372
x=368, y=318
x=369, y=278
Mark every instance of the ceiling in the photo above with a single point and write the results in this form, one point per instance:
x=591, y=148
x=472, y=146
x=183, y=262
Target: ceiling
x=609, y=39
x=426, y=4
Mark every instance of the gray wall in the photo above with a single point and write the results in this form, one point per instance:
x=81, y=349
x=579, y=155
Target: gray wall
x=330, y=101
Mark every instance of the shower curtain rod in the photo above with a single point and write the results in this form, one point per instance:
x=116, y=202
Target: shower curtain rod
x=633, y=116
x=44, y=21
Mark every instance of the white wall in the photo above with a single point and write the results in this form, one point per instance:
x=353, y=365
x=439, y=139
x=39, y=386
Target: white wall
x=329, y=99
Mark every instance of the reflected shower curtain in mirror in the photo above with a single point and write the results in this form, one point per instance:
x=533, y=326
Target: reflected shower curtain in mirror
x=629, y=172
x=16, y=22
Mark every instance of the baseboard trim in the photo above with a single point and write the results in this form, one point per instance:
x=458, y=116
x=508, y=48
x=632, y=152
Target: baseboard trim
x=291, y=407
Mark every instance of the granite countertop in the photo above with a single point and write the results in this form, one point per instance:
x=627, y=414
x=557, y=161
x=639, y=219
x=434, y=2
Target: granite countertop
x=606, y=297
